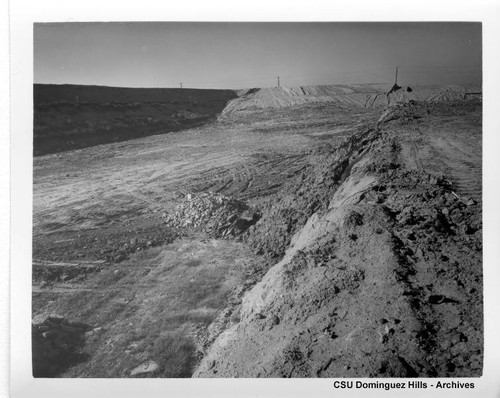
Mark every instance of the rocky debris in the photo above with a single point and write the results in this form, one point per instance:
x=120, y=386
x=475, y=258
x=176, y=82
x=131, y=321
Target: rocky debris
x=57, y=344
x=404, y=113
x=218, y=215
x=146, y=367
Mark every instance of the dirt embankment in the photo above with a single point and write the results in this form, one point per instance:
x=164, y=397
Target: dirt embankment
x=383, y=274
x=73, y=117
x=344, y=96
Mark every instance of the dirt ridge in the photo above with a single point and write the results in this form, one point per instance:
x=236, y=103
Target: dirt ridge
x=353, y=95
x=385, y=282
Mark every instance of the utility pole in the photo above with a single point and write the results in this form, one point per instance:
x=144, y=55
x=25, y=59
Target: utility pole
x=395, y=87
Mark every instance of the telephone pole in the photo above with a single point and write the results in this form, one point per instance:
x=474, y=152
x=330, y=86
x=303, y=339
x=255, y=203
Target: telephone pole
x=278, y=81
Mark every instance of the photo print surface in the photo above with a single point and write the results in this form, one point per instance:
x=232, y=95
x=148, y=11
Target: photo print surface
x=257, y=200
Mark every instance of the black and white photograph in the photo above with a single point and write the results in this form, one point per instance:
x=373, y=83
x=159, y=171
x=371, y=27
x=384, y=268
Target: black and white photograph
x=253, y=200
x=257, y=200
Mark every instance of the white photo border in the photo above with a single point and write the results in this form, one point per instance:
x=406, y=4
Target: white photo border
x=24, y=13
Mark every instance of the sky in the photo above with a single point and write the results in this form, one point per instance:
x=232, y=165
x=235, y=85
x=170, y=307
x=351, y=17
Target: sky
x=243, y=55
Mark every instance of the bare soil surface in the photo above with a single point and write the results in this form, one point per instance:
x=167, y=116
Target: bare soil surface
x=363, y=257
x=450, y=145
x=384, y=282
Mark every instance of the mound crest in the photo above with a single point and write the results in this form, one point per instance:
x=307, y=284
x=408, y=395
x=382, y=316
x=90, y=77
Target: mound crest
x=344, y=96
x=280, y=97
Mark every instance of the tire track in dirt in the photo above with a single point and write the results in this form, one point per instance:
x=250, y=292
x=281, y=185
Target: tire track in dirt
x=449, y=146
x=463, y=166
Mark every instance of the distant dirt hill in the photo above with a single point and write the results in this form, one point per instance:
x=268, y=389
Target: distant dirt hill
x=359, y=95
x=75, y=116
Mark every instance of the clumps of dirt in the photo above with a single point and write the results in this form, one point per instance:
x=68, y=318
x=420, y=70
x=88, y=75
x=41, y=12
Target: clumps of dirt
x=412, y=111
x=57, y=344
x=309, y=192
x=437, y=238
x=449, y=214
x=218, y=215
x=405, y=113
x=385, y=281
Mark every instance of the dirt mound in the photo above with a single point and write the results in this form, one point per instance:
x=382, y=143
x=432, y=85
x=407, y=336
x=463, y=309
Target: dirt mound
x=279, y=97
x=383, y=281
x=216, y=214
x=360, y=95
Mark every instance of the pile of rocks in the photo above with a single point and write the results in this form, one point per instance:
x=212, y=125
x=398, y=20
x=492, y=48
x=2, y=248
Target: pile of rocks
x=56, y=345
x=214, y=213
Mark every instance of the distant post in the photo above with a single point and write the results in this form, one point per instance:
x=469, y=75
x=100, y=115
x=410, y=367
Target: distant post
x=278, y=81
x=181, y=84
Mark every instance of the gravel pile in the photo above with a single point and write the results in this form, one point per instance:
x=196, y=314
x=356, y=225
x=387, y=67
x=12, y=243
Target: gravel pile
x=216, y=214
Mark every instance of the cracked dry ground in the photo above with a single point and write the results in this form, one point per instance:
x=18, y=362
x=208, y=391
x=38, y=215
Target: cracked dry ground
x=367, y=260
